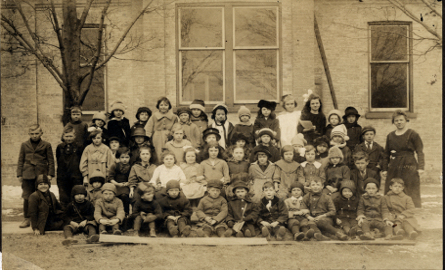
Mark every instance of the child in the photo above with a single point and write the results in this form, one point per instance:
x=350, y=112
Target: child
x=354, y=129
x=375, y=152
x=272, y=213
x=35, y=157
x=177, y=144
x=321, y=211
x=68, y=155
x=244, y=127
x=176, y=210
x=80, y=127
x=336, y=171
x=79, y=217
x=288, y=119
x=45, y=212
x=242, y=211
x=361, y=172
x=334, y=119
x=159, y=126
x=298, y=142
x=221, y=123
x=339, y=138
x=98, y=122
x=287, y=171
x=310, y=168
x=143, y=115
x=313, y=112
x=194, y=187
x=321, y=145
x=146, y=210
x=372, y=212
x=401, y=210
x=297, y=220
x=94, y=191
x=239, y=140
x=346, y=203
x=166, y=172
x=142, y=171
x=213, y=166
x=199, y=116
x=114, y=144
x=191, y=131
x=261, y=171
x=119, y=174
x=138, y=139
x=267, y=119
x=212, y=211
x=118, y=125
x=95, y=156
x=265, y=136
x=109, y=210
x=237, y=161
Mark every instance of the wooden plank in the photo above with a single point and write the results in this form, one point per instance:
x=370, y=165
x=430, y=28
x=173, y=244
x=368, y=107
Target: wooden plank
x=366, y=242
x=96, y=245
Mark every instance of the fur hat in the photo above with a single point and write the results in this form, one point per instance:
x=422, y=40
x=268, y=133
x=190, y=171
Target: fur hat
x=271, y=105
x=351, y=111
x=78, y=189
x=143, y=109
x=296, y=184
x=171, y=185
x=321, y=140
x=243, y=110
x=371, y=180
x=336, y=112
x=335, y=152
x=240, y=184
x=346, y=183
x=117, y=105
x=139, y=131
x=239, y=136
x=209, y=131
x=262, y=149
x=97, y=176
x=214, y=184
x=341, y=131
x=266, y=131
x=368, y=128
x=100, y=116
x=42, y=178
x=110, y=187
x=181, y=110
x=76, y=109
x=221, y=106
x=298, y=140
x=198, y=104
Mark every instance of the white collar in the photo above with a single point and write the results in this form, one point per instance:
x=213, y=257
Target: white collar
x=316, y=164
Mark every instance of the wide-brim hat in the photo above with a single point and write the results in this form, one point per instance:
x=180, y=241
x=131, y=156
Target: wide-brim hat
x=139, y=132
x=266, y=131
x=100, y=116
x=262, y=149
x=210, y=131
x=351, y=111
x=271, y=105
x=117, y=105
x=239, y=136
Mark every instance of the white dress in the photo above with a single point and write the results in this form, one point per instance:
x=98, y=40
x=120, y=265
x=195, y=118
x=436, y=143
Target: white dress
x=288, y=126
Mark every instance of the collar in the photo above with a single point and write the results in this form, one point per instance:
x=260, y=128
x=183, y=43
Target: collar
x=248, y=123
x=246, y=199
x=367, y=196
x=169, y=115
x=210, y=163
x=401, y=194
x=318, y=193
x=275, y=200
x=340, y=145
x=76, y=122
x=188, y=123
x=316, y=164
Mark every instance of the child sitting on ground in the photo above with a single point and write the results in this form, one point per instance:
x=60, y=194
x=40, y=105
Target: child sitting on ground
x=261, y=171
x=176, y=210
x=142, y=171
x=191, y=131
x=297, y=220
x=80, y=127
x=79, y=217
x=354, y=129
x=298, y=142
x=177, y=144
x=288, y=119
x=360, y=173
x=194, y=186
x=336, y=171
x=213, y=165
x=267, y=119
x=242, y=213
x=287, y=171
x=334, y=119
x=272, y=213
x=346, y=203
x=119, y=174
x=97, y=180
x=138, y=140
x=109, y=210
x=119, y=125
x=375, y=152
x=310, y=168
x=265, y=136
x=166, y=172
x=339, y=138
x=244, y=127
x=146, y=211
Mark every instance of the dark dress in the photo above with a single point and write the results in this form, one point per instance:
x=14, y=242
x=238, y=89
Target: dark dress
x=318, y=120
x=402, y=162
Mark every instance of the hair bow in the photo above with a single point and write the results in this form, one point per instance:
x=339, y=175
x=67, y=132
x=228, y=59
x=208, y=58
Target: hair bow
x=306, y=96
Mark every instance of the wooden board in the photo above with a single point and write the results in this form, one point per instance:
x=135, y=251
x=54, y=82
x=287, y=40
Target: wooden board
x=366, y=242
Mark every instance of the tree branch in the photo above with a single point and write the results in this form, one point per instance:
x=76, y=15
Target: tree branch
x=85, y=12
x=58, y=30
x=432, y=8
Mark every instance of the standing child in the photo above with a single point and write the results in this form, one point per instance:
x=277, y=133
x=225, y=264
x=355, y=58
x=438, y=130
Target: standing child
x=354, y=129
x=166, y=172
x=244, y=127
x=213, y=165
x=242, y=213
x=178, y=143
x=138, y=139
x=142, y=171
x=297, y=220
x=119, y=173
x=199, y=116
x=97, y=180
x=339, y=138
x=310, y=168
x=237, y=161
x=109, y=210
x=334, y=119
x=35, y=158
x=336, y=171
x=287, y=171
x=159, y=126
x=261, y=171
x=346, y=203
x=194, y=187
x=288, y=119
x=146, y=210
x=98, y=122
x=375, y=152
x=360, y=173
x=114, y=144
x=118, y=125
x=191, y=131
x=143, y=115
x=80, y=127
x=265, y=136
x=321, y=145
x=79, y=217
x=312, y=112
x=267, y=119
x=298, y=142
x=222, y=124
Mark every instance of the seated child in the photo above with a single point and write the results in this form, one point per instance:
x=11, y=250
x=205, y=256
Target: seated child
x=375, y=152
x=142, y=115
x=244, y=128
x=167, y=171
x=97, y=180
x=261, y=171
x=222, y=124
x=191, y=131
x=212, y=211
x=272, y=213
x=243, y=213
x=360, y=173
x=372, y=212
x=176, y=210
x=287, y=171
x=141, y=171
x=339, y=138
x=401, y=210
x=346, y=203
x=321, y=211
x=334, y=119
x=138, y=140
x=310, y=168
x=213, y=165
x=288, y=119
x=109, y=210
x=98, y=122
x=79, y=217
x=354, y=129
x=119, y=173
x=240, y=140
x=146, y=210
x=265, y=136
x=321, y=145
x=195, y=185
x=297, y=220
x=298, y=143
x=336, y=171
x=267, y=119
x=45, y=211
x=177, y=144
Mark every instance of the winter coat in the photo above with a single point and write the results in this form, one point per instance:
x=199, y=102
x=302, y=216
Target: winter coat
x=109, y=210
x=259, y=177
x=286, y=173
x=335, y=174
x=236, y=167
x=277, y=212
x=271, y=122
x=318, y=120
x=372, y=207
x=79, y=212
x=81, y=131
x=158, y=128
x=328, y=130
x=347, y=155
x=217, y=171
x=178, y=149
x=193, y=134
x=295, y=207
x=401, y=204
x=358, y=179
x=163, y=174
x=121, y=129
x=237, y=207
x=33, y=162
x=346, y=208
x=214, y=208
x=179, y=206
x=273, y=151
x=94, y=194
x=319, y=204
x=40, y=210
x=120, y=173
x=68, y=160
x=96, y=157
x=307, y=170
x=105, y=135
x=354, y=134
x=200, y=122
x=226, y=133
x=147, y=207
x=376, y=156
x=140, y=173
x=288, y=126
x=247, y=130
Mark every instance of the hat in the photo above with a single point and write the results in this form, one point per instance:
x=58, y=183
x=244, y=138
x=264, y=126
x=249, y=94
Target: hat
x=341, y=131
x=143, y=187
x=43, y=178
x=287, y=98
x=336, y=112
x=110, y=187
x=296, y=184
x=210, y=131
x=350, y=111
x=239, y=136
x=220, y=106
x=371, y=180
x=266, y=131
x=139, y=131
x=298, y=140
x=262, y=149
x=171, y=185
x=321, y=140
x=346, y=183
x=78, y=189
x=97, y=176
x=240, y=184
x=214, y=184
x=271, y=105
x=143, y=109
x=76, y=109
x=100, y=116
x=198, y=104
x=243, y=110
x=114, y=138
x=117, y=105
x=368, y=128
x=181, y=110
x=335, y=152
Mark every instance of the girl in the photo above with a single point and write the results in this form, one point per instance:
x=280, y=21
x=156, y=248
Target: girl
x=138, y=139
x=288, y=119
x=191, y=131
x=114, y=144
x=267, y=119
x=142, y=116
x=220, y=122
x=166, y=172
x=354, y=129
x=321, y=145
x=119, y=174
x=199, y=117
x=339, y=138
x=334, y=119
x=312, y=112
x=141, y=172
x=244, y=127
x=265, y=136
x=98, y=122
x=118, y=125
x=159, y=126
x=261, y=171
x=287, y=171
x=214, y=167
x=238, y=164
x=239, y=140
x=195, y=186
x=95, y=156
x=310, y=168
x=298, y=142
x=176, y=146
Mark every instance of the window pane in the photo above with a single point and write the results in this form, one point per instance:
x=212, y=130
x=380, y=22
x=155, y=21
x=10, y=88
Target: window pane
x=256, y=26
x=202, y=75
x=256, y=75
x=389, y=42
x=201, y=27
x=389, y=86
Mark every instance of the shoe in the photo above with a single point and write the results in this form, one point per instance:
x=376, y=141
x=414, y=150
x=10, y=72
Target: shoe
x=152, y=233
x=93, y=239
x=228, y=233
x=366, y=236
x=26, y=223
x=103, y=232
x=299, y=236
x=265, y=232
x=117, y=232
x=413, y=235
x=352, y=232
x=280, y=234
x=400, y=232
x=200, y=233
x=69, y=241
x=239, y=234
x=193, y=234
x=247, y=233
x=341, y=236
x=359, y=232
x=309, y=234
x=186, y=231
x=173, y=230
x=175, y=236
x=136, y=233
x=321, y=237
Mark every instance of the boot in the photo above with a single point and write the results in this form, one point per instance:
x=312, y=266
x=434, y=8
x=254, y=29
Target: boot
x=366, y=236
x=413, y=235
x=321, y=237
x=117, y=232
x=341, y=236
x=200, y=233
x=93, y=239
x=69, y=241
x=193, y=234
x=239, y=234
x=26, y=223
x=280, y=233
x=207, y=232
x=309, y=233
x=352, y=232
x=299, y=236
x=265, y=233
x=228, y=232
x=136, y=233
x=220, y=232
x=151, y=225
x=359, y=231
x=173, y=230
x=247, y=233
x=186, y=231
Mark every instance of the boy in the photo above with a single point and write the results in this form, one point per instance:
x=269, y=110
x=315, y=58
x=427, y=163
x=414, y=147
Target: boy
x=119, y=173
x=360, y=173
x=346, y=203
x=272, y=213
x=242, y=212
x=336, y=171
x=45, y=212
x=339, y=139
x=97, y=180
x=297, y=220
x=375, y=152
x=298, y=143
x=114, y=144
x=245, y=126
x=372, y=212
x=35, y=158
x=266, y=135
x=212, y=211
x=79, y=217
x=401, y=210
x=176, y=210
x=146, y=210
x=109, y=210
x=321, y=144
x=354, y=129
x=321, y=211
x=80, y=128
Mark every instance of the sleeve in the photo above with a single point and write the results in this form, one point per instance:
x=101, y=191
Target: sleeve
x=384, y=210
x=181, y=175
x=50, y=158
x=158, y=210
x=361, y=209
x=155, y=176
x=136, y=209
x=226, y=173
x=346, y=174
x=112, y=174
x=305, y=204
x=418, y=146
x=199, y=173
x=197, y=136
x=387, y=154
x=86, y=133
x=382, y=159
x=89, y=215
x=127, y=130
x=150, y=127
x=133, y=178
x=58, y=150
x=284, y=212
x=200, y=210
x=409, y=210
x=83, y=165
x=98, y=210
x=322, y=174
x=258, y=210
x=223, y=213
x=331, y=207
x=120, y=214
x=253, y=216
x=230, y=213
x=276, y=127
x=21, y=160
x=277, y=174
x=33, y=211
x=187, y=210
x=300, y=175
x=110, y=161
x=256, y=127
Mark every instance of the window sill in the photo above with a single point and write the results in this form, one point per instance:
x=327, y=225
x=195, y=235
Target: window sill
x=387, y=115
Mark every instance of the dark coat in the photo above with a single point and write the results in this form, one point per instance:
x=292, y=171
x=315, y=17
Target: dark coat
x=319, y=204
x=318, y=120
x=120, y=173
x=345, y=208
x=68, y=159
x=247, y=131
x=278, y=211
x=236, y=167
x=39, y=211
x=272, y=122
x=335, y=174
x=120, y=129
x=180, y=206
x=377, y=156
x=85, y=211
x=152, y=207
x=354, y=134
x=33, y=162
x=81, y=131
x=358, y=180
x=372, y=207
x=401, y=204
x=236, y=208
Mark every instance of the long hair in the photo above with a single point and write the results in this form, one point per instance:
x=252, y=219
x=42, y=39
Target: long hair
x=205, y=154
x=307, y=105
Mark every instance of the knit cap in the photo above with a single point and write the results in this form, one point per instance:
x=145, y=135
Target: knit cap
x=298, y=140
x=336, y=112
x=117, y=105
x=214, y=184
x=346, y=183
x=100, y=116
x=351, y=111
x=266, y=131
x=341, y=131
x=110, y=187
x=243, y=110
x=371, y=180
x=97, y=176
x=172, y=184
x=296, y=184
x=143, y=109
x=271, y=105
x=240, y=184
x=198, y=104
x=43, y=178
x=335, y=152
x=368, y=128
x=78, y=189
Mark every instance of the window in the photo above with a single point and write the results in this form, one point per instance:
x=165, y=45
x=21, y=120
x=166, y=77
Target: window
x=228, y=53
x=390, y=70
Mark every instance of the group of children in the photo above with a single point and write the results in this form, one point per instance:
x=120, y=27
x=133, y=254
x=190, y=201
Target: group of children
x=170, y=171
